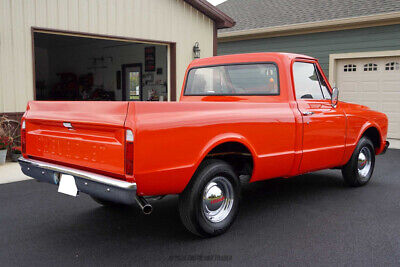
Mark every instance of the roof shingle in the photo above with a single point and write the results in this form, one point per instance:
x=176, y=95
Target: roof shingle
x=254, y=14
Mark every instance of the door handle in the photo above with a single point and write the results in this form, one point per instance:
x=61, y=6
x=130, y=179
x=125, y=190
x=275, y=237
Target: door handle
x=307, y=113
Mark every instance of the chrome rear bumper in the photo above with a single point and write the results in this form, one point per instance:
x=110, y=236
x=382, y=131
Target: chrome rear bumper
x=96, y=185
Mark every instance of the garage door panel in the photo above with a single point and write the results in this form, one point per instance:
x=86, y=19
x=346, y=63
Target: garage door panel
x=350, y=86
x=391, y=108
x=349, y=97
x=349, y=91
x=392, y=131
x=394, y=116
x=371, y=96
x=369, y=87
x=391, y=86
x=378, y=88
x=372, y=105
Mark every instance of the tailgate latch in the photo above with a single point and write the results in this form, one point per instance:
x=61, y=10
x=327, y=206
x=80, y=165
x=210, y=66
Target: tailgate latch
x=68, y=125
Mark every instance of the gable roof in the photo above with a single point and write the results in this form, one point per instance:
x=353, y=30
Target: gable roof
x=257, y=14
x=222, y=20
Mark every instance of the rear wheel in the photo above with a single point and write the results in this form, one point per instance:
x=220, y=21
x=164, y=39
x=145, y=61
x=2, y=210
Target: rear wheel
x=358, y=171
x=210, y=203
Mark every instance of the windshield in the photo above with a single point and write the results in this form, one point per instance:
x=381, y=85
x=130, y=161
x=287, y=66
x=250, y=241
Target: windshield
x=241, y=79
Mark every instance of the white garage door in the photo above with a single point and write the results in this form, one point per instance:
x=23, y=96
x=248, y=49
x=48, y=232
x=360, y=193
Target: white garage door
x=374, y=82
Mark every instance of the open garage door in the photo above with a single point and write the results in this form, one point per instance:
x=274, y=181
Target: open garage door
x=79, y=68
x=374, y=82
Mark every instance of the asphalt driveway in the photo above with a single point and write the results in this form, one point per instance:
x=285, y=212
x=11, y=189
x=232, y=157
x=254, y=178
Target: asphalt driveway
x=312, y=219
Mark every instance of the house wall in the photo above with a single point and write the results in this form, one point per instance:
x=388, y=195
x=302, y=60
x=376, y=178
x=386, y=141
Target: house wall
x=321, y=45
x=164, y=20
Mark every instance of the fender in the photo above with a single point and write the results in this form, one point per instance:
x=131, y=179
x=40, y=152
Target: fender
x=224, y=138
x=365, y=127
x=349, y=149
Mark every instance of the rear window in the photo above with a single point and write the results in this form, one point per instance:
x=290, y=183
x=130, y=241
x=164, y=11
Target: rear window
x=243, y=79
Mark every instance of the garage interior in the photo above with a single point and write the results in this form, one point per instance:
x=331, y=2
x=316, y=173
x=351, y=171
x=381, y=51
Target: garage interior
x=78, y=68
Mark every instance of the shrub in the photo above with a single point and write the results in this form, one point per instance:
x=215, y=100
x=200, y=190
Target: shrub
x=5, y=142
x=9, y=133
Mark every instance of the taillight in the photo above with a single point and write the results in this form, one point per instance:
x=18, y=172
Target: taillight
x=129, y=153
x=23, y=137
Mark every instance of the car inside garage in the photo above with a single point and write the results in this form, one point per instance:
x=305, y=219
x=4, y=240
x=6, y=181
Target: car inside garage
x=84, y=68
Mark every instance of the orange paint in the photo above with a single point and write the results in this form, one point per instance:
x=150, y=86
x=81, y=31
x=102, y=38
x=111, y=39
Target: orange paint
x=172, y=138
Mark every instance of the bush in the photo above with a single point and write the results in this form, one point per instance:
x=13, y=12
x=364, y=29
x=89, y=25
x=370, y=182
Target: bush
x=16, y=150
x=5, y=142
x=9, y=133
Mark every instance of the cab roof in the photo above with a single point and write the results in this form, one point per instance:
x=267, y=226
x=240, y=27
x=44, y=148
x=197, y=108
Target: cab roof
x=250, y=57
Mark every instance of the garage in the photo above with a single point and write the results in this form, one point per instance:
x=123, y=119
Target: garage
x=79, y=67
x=374, y=81
x=131, y=50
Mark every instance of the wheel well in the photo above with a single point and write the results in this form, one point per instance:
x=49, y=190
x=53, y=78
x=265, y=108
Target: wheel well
x=237, y=155
x=373, y=134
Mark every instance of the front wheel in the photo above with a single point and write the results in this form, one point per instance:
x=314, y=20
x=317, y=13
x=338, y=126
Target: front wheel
x=358, y=171
x=210, y=203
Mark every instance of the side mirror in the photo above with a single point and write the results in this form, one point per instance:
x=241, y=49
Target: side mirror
x=335, y=97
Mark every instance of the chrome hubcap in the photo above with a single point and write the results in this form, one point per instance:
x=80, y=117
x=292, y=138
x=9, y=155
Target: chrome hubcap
x=218, y=198
x=364, y=162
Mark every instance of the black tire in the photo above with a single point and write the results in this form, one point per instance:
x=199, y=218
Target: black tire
x=192, y=209
x=350, y=171
x=104, y=202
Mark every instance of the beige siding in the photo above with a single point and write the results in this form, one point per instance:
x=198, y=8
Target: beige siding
x=164, y=20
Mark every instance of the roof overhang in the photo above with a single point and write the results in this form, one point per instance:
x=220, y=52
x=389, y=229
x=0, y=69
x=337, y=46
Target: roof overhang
x=222, y=20
x=312, y=27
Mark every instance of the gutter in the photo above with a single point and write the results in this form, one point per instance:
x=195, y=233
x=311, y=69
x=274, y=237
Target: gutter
x=222, y=20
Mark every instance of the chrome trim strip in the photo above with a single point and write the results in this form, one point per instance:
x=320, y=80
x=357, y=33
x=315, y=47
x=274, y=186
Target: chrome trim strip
x=79, y=173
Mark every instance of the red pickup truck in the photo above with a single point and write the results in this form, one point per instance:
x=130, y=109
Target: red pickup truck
x=240, y=118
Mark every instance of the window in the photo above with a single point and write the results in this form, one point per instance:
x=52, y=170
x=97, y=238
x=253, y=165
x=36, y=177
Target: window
x=392, y=66
x=349, y=68
x=370, y=67
x=306, y=81
x=324, y=87
x=134, y=85
x=241, y=79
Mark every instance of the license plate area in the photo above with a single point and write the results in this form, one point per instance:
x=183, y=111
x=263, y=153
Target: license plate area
x=67, y=185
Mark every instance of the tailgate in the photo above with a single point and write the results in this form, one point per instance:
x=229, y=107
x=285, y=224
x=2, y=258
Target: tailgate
x=89, y=135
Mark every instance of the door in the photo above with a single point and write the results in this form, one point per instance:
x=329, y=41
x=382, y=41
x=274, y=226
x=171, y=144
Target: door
x=132, y=82
x=374, y=82
x=324, y=127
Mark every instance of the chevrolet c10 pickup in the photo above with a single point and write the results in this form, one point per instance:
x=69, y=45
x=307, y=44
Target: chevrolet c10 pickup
x=241, y=118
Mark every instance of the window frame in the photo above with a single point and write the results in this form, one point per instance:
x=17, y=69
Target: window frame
x=395, y=66
x=316, y=67
x=350, y=67
x=235, y=64
x=370, y=67
x=321, y=77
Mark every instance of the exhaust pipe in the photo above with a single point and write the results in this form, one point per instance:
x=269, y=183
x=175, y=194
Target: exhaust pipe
x=144, y=205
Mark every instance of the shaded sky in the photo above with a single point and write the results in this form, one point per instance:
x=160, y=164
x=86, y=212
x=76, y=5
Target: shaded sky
x=216, y=2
